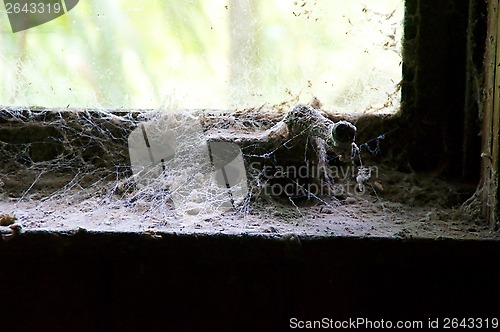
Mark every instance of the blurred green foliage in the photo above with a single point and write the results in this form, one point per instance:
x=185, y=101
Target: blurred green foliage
x=206, y=54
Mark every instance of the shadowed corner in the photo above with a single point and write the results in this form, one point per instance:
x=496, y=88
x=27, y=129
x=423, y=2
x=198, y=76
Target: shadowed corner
x=27, y=14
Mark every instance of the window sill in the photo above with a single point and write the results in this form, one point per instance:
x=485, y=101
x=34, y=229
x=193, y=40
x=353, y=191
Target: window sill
x=100, y=140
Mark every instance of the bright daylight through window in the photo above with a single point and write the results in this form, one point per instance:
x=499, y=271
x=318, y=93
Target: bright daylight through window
x=218, y=54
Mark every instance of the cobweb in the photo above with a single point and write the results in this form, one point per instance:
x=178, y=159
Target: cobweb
x=71, y=169
x=85, y=157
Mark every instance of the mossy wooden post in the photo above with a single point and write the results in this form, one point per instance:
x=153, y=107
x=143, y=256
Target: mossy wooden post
x=491, y=118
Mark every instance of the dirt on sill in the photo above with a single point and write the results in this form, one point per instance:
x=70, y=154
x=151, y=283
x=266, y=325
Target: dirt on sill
x=401, y=206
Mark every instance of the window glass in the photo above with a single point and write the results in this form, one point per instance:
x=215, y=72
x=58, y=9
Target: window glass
x=221, y=54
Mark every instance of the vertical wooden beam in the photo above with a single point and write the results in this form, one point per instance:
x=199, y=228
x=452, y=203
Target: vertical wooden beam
x=491, y=118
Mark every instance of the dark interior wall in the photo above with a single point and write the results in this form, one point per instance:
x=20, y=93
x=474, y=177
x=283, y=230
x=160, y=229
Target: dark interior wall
x=438, y=37
x=132, y=282
x=474, y=86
